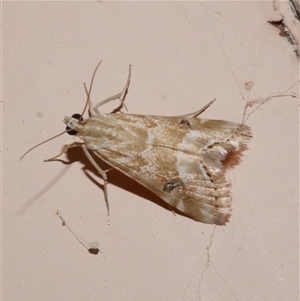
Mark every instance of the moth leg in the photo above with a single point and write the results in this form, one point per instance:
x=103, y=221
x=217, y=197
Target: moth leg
x=121, y=96
x=104, y=177
x=171, y=209
x=64, y=150
x=198, y=112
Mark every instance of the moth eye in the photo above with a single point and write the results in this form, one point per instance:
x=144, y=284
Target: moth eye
x=73, y=132
x=76, y=116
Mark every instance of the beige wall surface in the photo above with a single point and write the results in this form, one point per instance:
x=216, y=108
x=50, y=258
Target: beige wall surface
x=183, y=54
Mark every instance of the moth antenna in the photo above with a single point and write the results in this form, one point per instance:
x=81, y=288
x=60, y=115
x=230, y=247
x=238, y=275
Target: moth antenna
x=44, y=142
x=88, y=92
x=80, y=119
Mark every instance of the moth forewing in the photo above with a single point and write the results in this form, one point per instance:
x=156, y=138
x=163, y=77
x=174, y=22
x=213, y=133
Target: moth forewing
x=178, y=159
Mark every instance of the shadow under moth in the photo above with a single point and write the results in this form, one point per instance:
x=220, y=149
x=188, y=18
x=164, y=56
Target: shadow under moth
x=180, y=159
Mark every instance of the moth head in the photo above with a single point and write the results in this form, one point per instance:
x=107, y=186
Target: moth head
x=71, y=125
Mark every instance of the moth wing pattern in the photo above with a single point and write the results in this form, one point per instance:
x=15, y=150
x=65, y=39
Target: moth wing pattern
x=180, y=159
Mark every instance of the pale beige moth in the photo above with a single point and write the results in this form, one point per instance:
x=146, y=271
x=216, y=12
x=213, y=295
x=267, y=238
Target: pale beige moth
x=180, y=159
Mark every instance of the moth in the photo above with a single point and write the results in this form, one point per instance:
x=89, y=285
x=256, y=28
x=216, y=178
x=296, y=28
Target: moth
x=180, y=159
